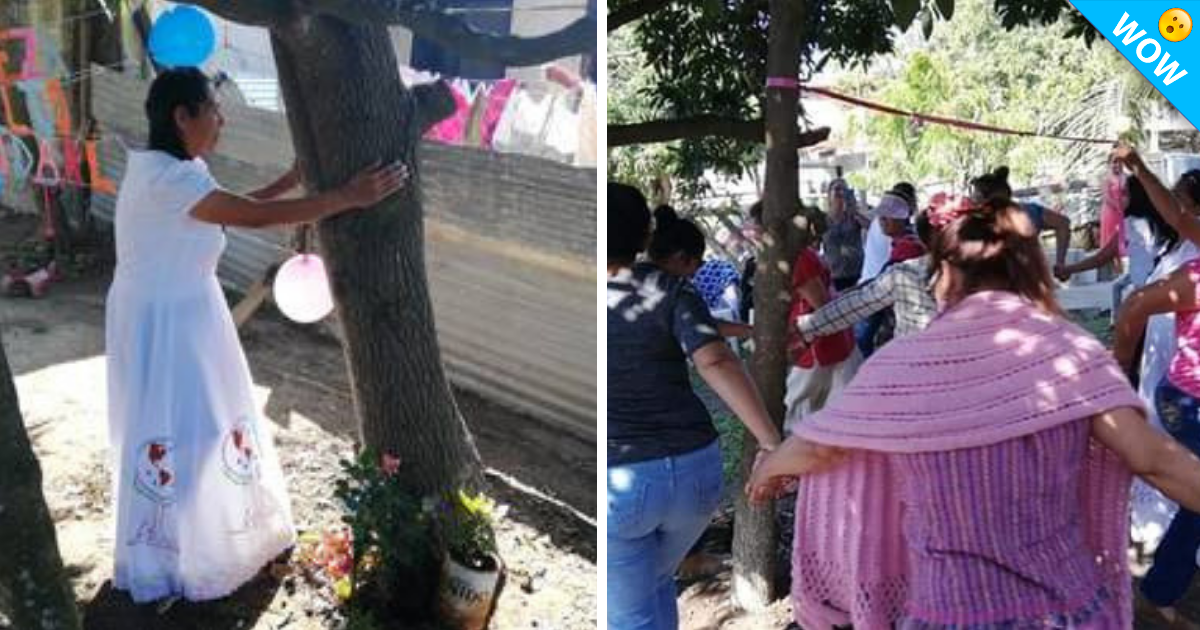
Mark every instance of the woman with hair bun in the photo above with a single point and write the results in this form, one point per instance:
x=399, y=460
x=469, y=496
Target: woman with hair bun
x=665, y=474
x=1176, y=392
x=994, y=187
x=986, y=459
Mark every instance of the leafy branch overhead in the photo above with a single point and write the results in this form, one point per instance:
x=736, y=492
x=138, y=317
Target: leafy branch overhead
x=428, y=19
x=674, y=62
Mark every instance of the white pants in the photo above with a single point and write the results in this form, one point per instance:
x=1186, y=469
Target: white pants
x=809, y=389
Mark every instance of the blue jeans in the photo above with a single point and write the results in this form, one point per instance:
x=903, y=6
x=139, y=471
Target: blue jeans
x=1175, y=559
x=656, y=510
x=865, y=331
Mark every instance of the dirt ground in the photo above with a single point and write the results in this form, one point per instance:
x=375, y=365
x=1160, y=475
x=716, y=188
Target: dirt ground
x=55, y=345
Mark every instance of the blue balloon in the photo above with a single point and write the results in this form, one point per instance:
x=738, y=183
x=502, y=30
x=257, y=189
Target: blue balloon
x=183, y=36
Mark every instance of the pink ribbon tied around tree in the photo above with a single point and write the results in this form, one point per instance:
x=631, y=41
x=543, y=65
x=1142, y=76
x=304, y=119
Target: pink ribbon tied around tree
x=302, y=286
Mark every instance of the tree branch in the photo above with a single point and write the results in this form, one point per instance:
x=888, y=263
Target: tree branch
x=631, y=11
x=701, y=127
x=426, y=20
x=249, y=12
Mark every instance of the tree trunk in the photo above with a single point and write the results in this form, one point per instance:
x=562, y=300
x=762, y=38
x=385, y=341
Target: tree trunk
x=34, y=592
x=347, y=108
x=755, y=537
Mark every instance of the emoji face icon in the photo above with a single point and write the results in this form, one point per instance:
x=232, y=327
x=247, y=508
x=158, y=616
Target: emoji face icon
x=1175, y=25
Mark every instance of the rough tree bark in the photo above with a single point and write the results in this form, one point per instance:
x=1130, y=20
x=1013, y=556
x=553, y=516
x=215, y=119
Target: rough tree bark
x=34, y=592
x=347, y=108
x=755, y=536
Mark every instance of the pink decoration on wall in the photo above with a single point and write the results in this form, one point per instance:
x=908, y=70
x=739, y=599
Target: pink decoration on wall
x=29, y=69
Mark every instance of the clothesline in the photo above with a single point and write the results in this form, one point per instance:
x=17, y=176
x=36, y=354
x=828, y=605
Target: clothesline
x=944, y=120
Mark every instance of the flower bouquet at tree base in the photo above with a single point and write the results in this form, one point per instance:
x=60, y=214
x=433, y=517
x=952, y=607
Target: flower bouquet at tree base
x=392, y=542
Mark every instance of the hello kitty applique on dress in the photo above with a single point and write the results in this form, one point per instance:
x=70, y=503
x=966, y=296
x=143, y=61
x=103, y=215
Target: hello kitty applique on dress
x=198, y=473
x=240, y=458
x=155, y=480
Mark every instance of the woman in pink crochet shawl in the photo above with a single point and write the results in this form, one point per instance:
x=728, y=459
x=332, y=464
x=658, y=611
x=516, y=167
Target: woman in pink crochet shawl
x=975, y=474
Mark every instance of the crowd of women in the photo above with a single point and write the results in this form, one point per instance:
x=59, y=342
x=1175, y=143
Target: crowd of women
x=974, y=470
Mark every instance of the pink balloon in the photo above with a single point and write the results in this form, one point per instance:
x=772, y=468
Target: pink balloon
x=302, y=289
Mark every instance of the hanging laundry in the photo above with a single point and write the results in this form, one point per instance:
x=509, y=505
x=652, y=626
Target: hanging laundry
x=585, y=155
x=560, y=137
x=412, y=76
x=473, y=134
x=452, y=129
x=497, y=104
x=522, y=126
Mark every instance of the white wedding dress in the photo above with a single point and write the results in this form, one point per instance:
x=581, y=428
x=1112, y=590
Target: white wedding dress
x=200, y=498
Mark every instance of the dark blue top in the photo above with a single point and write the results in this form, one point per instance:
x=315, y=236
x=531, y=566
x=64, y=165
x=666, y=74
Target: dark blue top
x=1037, y=214
x=655, y=321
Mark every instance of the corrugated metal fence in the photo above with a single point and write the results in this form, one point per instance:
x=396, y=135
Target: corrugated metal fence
x=510, y=253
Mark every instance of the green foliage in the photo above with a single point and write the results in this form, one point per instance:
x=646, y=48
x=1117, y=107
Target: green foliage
x=465, y=522
x=732, y=436
x=361, y=619
x=629, y=102
x=906, y=11
x=395, y=560
x=1025, y=78
x=1014, y=13
x=709, y=57
x=689, y=59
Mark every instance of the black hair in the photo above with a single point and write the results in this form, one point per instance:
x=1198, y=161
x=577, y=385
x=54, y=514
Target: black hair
x=673, y=235
x=995, y=247
x=628, y=222
x=1165, y=236
x=993, y=186
x=924, y=228
x=907, y=192
x=756, y=210
x=1191, y=184
x=178, y=87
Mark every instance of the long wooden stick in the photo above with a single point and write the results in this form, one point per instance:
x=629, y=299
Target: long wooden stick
x=254, y=298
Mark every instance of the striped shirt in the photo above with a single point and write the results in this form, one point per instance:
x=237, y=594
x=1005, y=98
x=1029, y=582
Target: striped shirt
x=904, y=286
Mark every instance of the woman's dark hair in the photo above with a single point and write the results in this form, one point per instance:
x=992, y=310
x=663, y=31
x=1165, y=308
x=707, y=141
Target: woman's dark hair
x=995, y=248
x=628, y=222
x=756, y=210
x=1165, y=236
x=924, y=228
x=993, y=186
x=907, y=192
x=186, y=87
x=1190, y=182
x=673, y=235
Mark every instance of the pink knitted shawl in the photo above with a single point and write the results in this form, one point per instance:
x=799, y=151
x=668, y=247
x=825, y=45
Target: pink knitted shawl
x=993, y=368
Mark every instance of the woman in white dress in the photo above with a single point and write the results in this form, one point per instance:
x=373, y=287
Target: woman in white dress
x=200, y=498
x=1180, y=208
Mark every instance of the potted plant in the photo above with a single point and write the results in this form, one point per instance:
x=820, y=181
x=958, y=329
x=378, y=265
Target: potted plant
x=472, y=572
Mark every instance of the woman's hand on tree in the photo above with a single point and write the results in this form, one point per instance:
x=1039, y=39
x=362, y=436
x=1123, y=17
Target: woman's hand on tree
x=375, y=184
